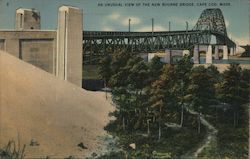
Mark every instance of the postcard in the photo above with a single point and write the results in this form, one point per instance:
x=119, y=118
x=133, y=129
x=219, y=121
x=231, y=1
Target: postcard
x=124, y=79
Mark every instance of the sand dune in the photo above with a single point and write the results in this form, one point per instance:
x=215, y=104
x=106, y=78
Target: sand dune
x=59, y=115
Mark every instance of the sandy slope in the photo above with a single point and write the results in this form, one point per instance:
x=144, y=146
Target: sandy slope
x=59, y=115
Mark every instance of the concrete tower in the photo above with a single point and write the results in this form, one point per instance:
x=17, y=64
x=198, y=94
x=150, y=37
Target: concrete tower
x=196, y=55
x=27, y=19
x=69, y=44
x=225, y=52
x=209, y=56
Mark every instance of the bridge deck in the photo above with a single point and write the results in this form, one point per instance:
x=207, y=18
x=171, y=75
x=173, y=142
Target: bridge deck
x=100, y=34
x=211, y=23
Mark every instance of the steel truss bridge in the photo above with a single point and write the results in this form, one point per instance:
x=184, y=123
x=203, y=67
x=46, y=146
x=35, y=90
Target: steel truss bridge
x=96, y=44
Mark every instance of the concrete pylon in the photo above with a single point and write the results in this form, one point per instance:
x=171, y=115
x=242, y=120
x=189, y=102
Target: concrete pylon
x=216, y=52
x=27, y=19
x=209, y=57
x=167, y=56
x=69, y=44
x=225, y=52
x=151, y=56
x=231, y=51
x=196, y=56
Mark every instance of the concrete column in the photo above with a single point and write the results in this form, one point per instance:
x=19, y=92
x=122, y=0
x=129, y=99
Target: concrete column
x=69, y=44
x=209, y=55
x=27, y=19
x=225, y=52
x=168, y=56
x=231, y=51
x=216, y=52
x=150, y=56
x=196, y=56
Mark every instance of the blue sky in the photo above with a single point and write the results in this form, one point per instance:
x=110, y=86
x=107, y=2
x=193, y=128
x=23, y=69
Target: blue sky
x=116, y=18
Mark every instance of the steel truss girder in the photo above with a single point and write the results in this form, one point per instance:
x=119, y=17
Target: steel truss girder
x=142, y=44
x=211, y=22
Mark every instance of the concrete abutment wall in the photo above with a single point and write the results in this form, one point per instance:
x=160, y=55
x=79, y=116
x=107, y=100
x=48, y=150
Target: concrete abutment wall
x=211, y=52
x=56, y=51
x=35, y=47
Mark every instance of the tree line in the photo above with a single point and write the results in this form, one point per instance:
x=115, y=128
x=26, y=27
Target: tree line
x=148, y=95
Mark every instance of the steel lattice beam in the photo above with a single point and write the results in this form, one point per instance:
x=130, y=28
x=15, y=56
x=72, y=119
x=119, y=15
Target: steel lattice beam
x=211, y=22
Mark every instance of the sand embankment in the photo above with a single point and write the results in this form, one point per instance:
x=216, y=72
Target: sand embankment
x=57, y=114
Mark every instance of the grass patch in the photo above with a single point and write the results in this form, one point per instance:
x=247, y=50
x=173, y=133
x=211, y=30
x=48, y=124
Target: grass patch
x=12, y=150
x=174, y=143
x=232, y=142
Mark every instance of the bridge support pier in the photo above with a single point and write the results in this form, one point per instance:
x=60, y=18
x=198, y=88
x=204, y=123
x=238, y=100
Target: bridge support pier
x=69, y=45
x=225, y=52
x=232, y=51
x=216, y=52
x=209, y=56
x=196, y=56
x=168, y=56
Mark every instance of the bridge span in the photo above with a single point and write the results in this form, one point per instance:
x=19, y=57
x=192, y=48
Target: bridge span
x=211, y=23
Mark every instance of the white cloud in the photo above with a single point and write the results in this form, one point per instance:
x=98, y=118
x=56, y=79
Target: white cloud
x=134, y=21
x=240, y=40
x=114, y=16
x=182, y=21
x=107, y=29
x=226, y=23
x=118, y=19
x=149, y=28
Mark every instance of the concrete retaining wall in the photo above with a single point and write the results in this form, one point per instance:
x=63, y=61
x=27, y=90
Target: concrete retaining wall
x=35, y=47
x=58, y=52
